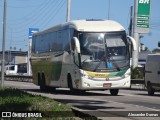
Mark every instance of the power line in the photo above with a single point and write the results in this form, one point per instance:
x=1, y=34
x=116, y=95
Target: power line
x=60, y=5
x=50, y=15
x=37, y=18
x=33, y=13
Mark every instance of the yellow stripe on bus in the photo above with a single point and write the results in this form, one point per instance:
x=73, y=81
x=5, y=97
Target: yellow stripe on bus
x=97, y=75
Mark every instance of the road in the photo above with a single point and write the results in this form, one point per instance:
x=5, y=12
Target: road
x=128, y=103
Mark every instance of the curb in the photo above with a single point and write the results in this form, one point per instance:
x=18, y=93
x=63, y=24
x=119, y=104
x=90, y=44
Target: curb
x=78, y=112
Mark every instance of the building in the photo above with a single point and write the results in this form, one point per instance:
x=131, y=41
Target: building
x=143, y=57
x=16, y=58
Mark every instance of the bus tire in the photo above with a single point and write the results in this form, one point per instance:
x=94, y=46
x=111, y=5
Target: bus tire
x=70, y=85
x=42, y=82
x=114, y=92
x=150, y=89
x=74, y=91
x=39, y=78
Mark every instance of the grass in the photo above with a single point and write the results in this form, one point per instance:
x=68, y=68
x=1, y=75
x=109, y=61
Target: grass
x=14, y=100
x=17, y=101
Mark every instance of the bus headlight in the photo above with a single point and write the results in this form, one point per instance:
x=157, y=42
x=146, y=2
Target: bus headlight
x=126, y=75
x=83, y=74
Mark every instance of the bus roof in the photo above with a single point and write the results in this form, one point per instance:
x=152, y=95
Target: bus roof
x=96, y=26
x=88, y=26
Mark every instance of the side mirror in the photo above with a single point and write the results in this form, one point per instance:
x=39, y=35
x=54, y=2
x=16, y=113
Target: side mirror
x=159, y=44
x=77, y=44
x=133, y=42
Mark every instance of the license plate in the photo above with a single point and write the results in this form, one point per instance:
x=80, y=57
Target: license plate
x=107, y=85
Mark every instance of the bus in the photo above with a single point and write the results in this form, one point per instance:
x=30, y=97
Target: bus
x=82, y=55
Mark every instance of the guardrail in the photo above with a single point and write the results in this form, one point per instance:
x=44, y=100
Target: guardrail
x=137, y=81
x=22, y=78
x=29, y=79
x=138, y=84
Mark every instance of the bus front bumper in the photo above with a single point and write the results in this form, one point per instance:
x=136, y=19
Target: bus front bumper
x=103, y=84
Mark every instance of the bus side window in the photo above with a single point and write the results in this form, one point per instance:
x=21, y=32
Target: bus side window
x=72, y=45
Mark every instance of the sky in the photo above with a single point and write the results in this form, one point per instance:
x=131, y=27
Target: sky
x=43, y=14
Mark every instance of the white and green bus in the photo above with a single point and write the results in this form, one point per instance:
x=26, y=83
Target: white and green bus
x=82, y=55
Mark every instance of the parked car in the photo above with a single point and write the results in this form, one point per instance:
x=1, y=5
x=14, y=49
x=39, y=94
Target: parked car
x=152, y=73
x=20, y=69
x=11, y=69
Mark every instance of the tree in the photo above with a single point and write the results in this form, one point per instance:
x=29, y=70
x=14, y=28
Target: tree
x=156, y=50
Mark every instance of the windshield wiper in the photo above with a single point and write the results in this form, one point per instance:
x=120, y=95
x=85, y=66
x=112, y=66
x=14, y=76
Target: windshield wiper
x=102, y=59
x=84, y=61
x=89, y=59
x=114, y=62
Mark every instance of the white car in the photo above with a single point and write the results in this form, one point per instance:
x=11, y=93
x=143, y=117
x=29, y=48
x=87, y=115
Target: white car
x=152, y=73
x=11, y=69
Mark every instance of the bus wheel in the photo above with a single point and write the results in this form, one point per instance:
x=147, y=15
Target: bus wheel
x=42, y=82
x=70, y=85
x=114, y=92
x=39, y=78
x=150, y=89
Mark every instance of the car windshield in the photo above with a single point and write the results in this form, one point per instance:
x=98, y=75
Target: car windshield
x=99, y=49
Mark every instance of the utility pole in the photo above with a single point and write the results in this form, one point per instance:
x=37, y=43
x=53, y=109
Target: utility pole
x=3, y=45
x=130, y=29
x=131, y=19
x=108, y=9
x=68, y=10
x=135, y=54
x=29, y=57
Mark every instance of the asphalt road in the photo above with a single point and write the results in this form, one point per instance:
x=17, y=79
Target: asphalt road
x=129, y=104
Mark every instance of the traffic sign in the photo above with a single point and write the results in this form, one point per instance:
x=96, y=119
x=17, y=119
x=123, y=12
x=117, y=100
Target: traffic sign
x=31, y=31
x=143, y=16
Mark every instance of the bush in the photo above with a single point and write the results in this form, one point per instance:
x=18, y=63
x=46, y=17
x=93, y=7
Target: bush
x=137, y=73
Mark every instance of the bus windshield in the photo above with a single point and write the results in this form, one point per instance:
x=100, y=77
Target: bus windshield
x=104, y=51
